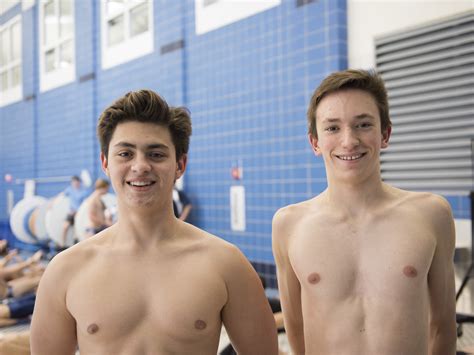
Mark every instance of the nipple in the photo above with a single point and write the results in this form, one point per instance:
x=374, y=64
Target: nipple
x=93, y=328
x=314, y=278
x=200, y=324
x=410, y=271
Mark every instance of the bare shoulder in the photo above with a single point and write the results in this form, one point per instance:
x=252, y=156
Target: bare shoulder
x=218, y=251
x=430, y=210
x=208, y=243
x=431, y=205
x=72, y=260
x=291, y=214
x=437, y=211
x=289, y=217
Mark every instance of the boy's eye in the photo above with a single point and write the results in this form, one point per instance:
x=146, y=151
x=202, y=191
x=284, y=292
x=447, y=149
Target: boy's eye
x=365, y=125
x=331, y=129
x=124, y=154
x=156, y=155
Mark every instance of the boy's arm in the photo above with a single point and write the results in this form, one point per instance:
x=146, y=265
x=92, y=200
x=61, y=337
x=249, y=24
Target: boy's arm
x=441, y=282
x=288, y=285
x=53, y=329
x=247, y=315
x=186, y=210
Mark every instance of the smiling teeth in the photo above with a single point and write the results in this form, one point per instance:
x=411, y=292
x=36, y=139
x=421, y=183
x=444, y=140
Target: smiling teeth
x=350, y=157
x=140, y=183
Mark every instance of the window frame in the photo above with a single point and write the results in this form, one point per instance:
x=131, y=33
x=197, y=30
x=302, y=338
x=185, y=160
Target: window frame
x=214, y=14
x=4, y=7
x=131, y=47
x=12, y=94
x=59, y=76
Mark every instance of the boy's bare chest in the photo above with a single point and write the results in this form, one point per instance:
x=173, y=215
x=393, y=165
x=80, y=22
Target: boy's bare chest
x=342, y=259
x=114, y=301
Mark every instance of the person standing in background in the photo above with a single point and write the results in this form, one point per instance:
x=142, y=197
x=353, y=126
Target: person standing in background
x=181, y=204
x=96, y=209
x=76, y=194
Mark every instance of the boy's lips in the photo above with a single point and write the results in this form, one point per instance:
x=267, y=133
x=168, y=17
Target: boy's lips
x=140, y=183
x=350, y=157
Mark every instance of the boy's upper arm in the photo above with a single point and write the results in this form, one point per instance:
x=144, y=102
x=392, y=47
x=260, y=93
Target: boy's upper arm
x=247, y=315
x=441, y=275
x=53, y=329
x=288, y=284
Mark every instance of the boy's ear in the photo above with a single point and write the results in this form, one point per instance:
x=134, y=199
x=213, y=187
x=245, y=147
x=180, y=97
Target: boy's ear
x=313, y=141
x=386, y=137
x=181, y=166
x=104, y=164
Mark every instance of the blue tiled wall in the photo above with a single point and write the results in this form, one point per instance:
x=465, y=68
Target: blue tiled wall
x=248, y=88
x=247, y=85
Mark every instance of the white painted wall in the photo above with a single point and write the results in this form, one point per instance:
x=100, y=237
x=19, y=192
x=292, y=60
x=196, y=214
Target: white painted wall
x=368, y=19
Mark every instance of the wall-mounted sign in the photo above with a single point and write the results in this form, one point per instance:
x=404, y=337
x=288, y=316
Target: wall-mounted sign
x=237, y=208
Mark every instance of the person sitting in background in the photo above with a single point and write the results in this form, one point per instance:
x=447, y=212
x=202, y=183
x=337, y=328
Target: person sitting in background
x=20, y=286
x=98, y=220
x=20, y=278
x=12, y=254
x=10, y=271
x=17, y=343
x=18, y=309
x=3, y=246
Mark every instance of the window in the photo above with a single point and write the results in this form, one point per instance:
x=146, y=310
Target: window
x=10, y=62
x=213, y=14
x=127, y=30
x=7, y=5
x=429, y=75
x=57, y=64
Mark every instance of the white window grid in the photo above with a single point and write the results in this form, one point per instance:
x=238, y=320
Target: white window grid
x=11, y=87
x=7, y=5
x=62, y=72
x=129, y=46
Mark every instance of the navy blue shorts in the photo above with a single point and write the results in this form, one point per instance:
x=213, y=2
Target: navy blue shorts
x=21, y=307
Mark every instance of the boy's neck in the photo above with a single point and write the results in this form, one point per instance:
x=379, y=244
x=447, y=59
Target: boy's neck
x=355, y=198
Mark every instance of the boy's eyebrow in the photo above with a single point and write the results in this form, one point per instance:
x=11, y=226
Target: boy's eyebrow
x=134, y=146
x=157, y=146
x=329, y=119
x=359, y=117
x=125, y=145
x=365, y=115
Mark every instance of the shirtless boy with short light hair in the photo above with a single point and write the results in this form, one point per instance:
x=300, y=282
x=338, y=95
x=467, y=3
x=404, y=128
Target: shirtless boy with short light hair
x=363, y=268
x=149, y=284
x=96, y=209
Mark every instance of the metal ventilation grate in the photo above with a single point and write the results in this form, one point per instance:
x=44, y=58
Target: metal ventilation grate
x=429, y=75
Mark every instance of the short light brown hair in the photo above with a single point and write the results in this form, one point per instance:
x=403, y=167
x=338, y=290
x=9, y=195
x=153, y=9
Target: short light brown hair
x=364, y=80
x=101, y=184
x=148, y=107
